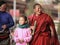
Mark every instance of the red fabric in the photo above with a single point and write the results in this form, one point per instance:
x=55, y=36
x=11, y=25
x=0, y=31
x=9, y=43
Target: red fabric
x=42, y=34
x=3, y=37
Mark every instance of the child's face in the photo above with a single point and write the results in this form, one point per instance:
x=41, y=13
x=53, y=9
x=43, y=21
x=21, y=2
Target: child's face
x=21, y=21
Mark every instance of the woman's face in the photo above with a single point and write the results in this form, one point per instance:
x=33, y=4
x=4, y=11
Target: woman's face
x=21, y=20
x=3, y=7
x=37, y=9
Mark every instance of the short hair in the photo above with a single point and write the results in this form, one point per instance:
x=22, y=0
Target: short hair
x=36, y=4
x=2, y=2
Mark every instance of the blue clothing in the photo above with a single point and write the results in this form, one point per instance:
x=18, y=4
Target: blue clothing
x=6, y=19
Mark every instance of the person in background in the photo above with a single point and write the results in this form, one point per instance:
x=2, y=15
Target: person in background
x=6, y=22
x=22, y=33
x=44, y=33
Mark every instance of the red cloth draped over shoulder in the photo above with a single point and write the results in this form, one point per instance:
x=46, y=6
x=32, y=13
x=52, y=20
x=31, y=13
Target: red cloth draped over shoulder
x=42, y=35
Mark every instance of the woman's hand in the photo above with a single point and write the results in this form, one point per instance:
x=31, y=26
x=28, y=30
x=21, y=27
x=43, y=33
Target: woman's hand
x=32, y=27
x=52, y=33
x=4, y=26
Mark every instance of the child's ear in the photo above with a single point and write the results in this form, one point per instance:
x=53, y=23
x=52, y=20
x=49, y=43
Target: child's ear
x=25, y=21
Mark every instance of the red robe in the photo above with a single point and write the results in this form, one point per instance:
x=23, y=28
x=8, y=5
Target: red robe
x=42, y=35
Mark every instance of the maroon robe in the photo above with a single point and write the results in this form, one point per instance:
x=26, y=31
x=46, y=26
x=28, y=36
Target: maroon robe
x=42, y=35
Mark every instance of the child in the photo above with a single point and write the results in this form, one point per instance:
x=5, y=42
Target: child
x=22, y=34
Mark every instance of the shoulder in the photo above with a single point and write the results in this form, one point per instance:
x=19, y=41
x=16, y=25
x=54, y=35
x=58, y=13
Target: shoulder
x=47, y=16
x=30, y=16
x=28, y=29
x=17, y=28
x=8, y=14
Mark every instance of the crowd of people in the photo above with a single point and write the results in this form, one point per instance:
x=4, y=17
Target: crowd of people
x=39, y=30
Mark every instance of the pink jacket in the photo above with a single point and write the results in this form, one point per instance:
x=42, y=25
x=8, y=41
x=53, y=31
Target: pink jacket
x=24, y=34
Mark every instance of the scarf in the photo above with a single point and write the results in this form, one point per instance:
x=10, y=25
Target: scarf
x=23, y=26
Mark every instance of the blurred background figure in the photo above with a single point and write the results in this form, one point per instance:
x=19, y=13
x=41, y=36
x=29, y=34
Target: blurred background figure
x=6, y=22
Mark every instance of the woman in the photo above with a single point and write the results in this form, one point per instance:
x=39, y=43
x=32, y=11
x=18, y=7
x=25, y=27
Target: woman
x=45, y=33
x=6, y=22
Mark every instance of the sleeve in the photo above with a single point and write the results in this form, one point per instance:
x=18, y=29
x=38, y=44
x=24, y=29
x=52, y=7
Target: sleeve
x=30, y=20
x=51, y=23
x=11, y=22
x=15, y=36
x=29, y=36
x=55, y=38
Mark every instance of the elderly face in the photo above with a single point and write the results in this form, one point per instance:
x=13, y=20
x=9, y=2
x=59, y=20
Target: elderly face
x=37, y=9
x=3, y=7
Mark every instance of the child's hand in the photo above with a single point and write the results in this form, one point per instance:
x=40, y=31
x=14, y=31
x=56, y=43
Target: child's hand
x=12, y=33
x=17, y=41
x=21, y=41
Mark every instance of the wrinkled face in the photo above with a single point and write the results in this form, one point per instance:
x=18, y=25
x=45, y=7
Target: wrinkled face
x=21, y=21
x=37, y=9
x=3, y=7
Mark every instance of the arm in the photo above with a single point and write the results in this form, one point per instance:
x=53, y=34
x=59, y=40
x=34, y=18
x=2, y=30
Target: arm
x=52, y=27
x=54, y=36
x=52, y=32
x=15, y=36
x=11, y=22
x=32, y=24
x=29, y=36
x=30, y=20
